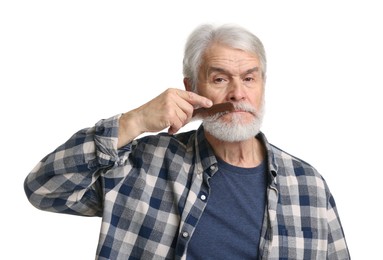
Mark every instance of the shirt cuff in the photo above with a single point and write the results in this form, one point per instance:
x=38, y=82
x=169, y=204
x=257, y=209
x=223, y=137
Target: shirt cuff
x=106, y=139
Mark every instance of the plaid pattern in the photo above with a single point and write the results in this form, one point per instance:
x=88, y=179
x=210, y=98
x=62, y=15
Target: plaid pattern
x=148, y=195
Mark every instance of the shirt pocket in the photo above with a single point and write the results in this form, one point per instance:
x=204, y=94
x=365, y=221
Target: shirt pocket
x=298, y=244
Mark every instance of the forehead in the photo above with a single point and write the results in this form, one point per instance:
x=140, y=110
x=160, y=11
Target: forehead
x=221, y=55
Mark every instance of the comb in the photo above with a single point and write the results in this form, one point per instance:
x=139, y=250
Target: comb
x=215, y=109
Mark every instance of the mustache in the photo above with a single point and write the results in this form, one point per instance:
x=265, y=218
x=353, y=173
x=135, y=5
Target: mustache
x=239, y=106
x=245, y=107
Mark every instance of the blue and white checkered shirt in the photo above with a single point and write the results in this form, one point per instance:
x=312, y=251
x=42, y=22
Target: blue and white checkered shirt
x=152, y=192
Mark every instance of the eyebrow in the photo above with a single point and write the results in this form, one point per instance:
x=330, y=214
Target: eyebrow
x=218, y=69
x=255, y=69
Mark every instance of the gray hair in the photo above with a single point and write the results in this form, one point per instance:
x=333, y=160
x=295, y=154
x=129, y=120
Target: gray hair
x=230, y=35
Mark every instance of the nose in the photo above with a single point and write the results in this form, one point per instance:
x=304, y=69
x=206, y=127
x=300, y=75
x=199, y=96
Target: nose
x=236, y=90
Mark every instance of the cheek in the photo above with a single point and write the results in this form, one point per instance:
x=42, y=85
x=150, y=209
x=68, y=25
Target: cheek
x=218, y=99
x=212, y=94
x=258, y=99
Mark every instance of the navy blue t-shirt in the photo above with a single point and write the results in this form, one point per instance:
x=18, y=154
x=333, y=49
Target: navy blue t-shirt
x=230, y=226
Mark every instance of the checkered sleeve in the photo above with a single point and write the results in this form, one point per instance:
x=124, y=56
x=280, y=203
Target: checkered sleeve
x=337, y=248
x=67, y=180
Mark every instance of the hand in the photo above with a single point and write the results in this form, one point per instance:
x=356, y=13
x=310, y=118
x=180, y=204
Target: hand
x=173, y=109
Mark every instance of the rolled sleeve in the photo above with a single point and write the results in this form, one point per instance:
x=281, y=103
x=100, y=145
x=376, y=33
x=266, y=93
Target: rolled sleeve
x=105, y=140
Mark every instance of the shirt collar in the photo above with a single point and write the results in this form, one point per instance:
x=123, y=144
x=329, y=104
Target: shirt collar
x=271, y=161
x=205, y=154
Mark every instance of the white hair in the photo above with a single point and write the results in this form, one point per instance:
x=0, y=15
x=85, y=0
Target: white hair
x=230, y=35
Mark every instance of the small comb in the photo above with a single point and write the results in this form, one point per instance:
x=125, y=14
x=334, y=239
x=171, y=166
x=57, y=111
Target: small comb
x=210, y=111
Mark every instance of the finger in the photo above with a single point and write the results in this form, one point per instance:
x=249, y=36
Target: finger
x=184, y=110
x=195, y=99
x=176, y=125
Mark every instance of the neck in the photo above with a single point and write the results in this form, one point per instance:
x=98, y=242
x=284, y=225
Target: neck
x=247, y=153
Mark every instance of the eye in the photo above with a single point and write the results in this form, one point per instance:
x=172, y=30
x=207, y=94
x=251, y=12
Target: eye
x=219, y=80
x=248, y=79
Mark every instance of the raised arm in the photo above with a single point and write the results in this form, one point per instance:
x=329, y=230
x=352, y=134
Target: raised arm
x=68, y=179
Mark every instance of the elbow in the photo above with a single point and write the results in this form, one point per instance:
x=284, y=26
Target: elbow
x=31, y=194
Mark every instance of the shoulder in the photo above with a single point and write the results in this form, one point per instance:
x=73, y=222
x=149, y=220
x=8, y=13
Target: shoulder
x=287, y=160
x=296, y=176
x=291, y=169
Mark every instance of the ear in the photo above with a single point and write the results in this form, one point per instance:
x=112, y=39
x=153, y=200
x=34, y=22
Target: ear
x=187, y=84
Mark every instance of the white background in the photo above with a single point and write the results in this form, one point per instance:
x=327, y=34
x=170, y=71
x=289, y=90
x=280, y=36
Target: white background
x=66, y=64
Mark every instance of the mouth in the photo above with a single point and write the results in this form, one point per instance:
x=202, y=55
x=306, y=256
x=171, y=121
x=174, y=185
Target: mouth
x=240, y=111
x=246, y=109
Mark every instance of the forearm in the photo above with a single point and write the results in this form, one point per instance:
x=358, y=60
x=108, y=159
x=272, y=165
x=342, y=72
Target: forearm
x=129, y=128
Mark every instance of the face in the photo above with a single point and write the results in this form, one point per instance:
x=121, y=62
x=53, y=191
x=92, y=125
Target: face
x=232, y=75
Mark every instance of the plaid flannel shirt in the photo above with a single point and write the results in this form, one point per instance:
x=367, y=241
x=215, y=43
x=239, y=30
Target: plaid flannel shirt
x=152, y=192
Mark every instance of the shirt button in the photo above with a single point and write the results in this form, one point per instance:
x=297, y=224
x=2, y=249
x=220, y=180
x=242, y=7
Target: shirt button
x=203, y=197
x=212, y=168
x=185, y=234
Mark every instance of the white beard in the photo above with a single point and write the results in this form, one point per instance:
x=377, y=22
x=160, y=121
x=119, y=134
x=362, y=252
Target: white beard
x=235, y=130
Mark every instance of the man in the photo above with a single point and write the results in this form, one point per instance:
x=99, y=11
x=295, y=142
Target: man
x=220, y=192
